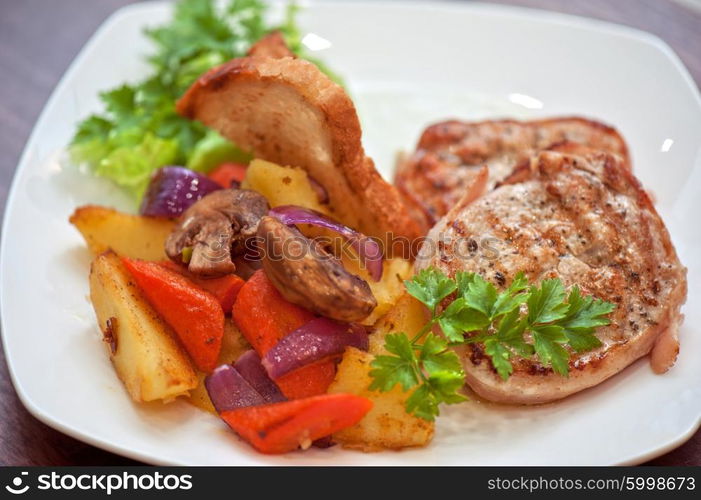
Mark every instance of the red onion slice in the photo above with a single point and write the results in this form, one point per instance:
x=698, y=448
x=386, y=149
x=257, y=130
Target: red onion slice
x=251, y=369
x=368, y=249
x=321, y=194
x=228, y=390
x=173, y=190
x=313, y=341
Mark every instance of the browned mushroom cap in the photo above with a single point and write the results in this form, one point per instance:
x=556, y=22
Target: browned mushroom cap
x=308, y=276
x=216, y=228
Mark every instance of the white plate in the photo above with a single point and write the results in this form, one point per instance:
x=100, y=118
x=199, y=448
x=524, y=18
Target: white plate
x=406, y=65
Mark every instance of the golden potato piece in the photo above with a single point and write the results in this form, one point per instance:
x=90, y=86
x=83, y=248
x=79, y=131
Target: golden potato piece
x=133, y=236
x=408, y=316
x=142, y=347
x=388, y=290
x=282, y=185
x=387, y=425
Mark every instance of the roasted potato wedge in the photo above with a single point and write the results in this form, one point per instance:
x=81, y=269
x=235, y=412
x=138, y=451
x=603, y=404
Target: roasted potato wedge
x=132, y=236
x=142, y=347
x=199, y=397
x=388, y=290
x=408, y=316
x=387, y=425
x=282, y=185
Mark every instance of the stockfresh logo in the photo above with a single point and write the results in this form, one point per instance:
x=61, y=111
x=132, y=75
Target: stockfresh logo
x=96, y=482
x=17, y=487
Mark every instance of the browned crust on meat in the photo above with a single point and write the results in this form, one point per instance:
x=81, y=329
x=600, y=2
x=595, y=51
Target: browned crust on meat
x=271, y=45
x=451, y=131
x=447, y=154
x=627, y=258
x=288, y=112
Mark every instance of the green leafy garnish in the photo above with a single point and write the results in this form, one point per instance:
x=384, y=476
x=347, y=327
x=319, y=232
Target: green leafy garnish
x=430, y=286
x=139, y=130
x=539, y=322
x=554, y=320
x=428, y=364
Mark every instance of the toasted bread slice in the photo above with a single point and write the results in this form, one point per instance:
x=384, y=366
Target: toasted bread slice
x=285, y=110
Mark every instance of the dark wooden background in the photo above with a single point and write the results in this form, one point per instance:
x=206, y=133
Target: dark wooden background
x=39, y=38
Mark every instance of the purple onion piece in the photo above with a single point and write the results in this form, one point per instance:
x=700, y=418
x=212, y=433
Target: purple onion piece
x=313, y=341
x=173, y=190
x=228, y=390
x=321, y=194
x=368, y=249
x=251, y=369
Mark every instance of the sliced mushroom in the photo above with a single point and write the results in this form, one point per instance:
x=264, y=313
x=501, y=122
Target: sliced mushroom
x=216, y=229
x=306, y=275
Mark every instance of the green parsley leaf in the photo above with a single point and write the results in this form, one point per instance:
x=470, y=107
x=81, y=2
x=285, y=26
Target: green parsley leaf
x=546, y=303
x=584, y=315
x=440, y=388
x=401, y=368
x=510, y=332
x=436, y=357
x=463, y=280
x=481, y=295
x=550, y=328
x=500, y=357
x=445, y=386
x=459, y=318
x=519, y=283
x=581, y=341
x=422, y=403
x=512, y=297
x=430, y=286
x=586, y=312
x=547, y=342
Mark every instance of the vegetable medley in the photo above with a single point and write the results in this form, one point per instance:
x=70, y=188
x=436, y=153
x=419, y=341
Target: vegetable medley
x=237, y=288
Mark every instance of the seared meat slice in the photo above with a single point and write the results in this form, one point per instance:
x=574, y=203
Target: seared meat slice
x=450, y=153
x=271, y=45
x=586, y=220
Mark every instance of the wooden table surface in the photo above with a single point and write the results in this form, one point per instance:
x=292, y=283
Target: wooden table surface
x=39, y=38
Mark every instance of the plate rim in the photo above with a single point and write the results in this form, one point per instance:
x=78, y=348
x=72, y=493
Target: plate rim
x=496, y=10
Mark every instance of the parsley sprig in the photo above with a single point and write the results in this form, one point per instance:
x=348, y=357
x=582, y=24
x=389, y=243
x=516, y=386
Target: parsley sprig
x=538, y=322
x=425, y=360
x=430, y=365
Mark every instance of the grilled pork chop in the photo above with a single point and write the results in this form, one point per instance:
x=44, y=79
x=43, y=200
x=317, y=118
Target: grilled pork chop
x=450, y=154
x=586, y=220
